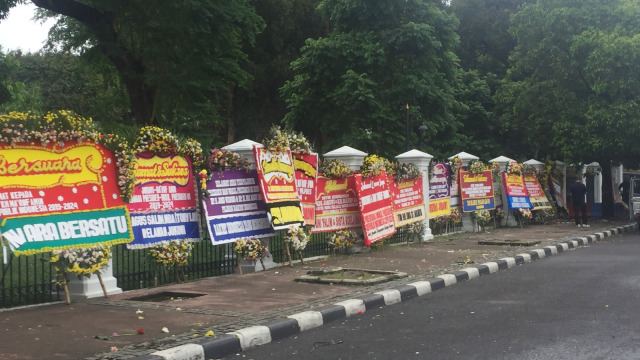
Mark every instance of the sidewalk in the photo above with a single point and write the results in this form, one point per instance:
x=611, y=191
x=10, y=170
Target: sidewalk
x=186, y=312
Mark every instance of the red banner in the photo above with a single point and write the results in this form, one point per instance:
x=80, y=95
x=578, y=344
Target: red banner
x=60, y=196
x=278, y=187
x=306, y=173
x=476, y=191
x=408, y=201
x=39, y=180
x=163, y=183
x=536, y=195
x=337, y=205
x=376, y=207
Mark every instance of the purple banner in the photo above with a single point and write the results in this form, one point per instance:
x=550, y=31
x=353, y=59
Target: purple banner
x=234, y=208
x=439, y=182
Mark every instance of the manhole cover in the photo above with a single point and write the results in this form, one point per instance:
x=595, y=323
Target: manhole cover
x=350, y=276
x=166, y=297
x=509, y=242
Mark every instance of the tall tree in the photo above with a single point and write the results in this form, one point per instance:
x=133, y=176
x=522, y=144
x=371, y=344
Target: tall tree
x=573, y=82
x=352, y=87
x=172, y=56
x=288, y=23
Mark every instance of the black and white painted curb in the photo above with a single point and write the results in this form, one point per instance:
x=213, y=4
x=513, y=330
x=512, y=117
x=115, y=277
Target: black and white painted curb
x=237, y=341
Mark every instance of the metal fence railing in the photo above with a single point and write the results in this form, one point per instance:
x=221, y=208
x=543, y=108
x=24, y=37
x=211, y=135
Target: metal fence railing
x=28, y=280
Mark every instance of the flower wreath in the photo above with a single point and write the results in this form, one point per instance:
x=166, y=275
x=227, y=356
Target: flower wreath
x=482, y=217
x=156, y=140
x=277, y=140
x=251, y=249
x=221, y=160
x=455, y=215
x=405, y=171
x=81, y=261
x=514, y=168
x=298, y=143
x=478, y=167
x=456, y=164
x=374, y=164
x=526, y=213
x=55, y=128
x=529, y=169
x=335, y=169
x=343, y=239
x=171, y=252
x=495, y=169
x=297, y=237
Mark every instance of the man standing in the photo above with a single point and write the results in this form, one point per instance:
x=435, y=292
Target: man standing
x=578, y=193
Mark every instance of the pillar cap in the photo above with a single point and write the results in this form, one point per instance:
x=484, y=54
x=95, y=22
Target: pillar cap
x=245, y=144
x=414, y=154
x=345, y=151
x=464, y=156
x=501, y=159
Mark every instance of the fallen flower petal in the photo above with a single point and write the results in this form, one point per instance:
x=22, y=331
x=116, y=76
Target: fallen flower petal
x=209, y=333
x=360, y=312
x=139, y=312
x=114, y=349
x=140, y=331
x=165, y=330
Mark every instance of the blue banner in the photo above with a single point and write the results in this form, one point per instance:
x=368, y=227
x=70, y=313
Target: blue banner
x=152, y=228
x=231, y=228
x=519, y=202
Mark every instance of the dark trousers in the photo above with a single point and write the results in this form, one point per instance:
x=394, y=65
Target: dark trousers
x=583, y=208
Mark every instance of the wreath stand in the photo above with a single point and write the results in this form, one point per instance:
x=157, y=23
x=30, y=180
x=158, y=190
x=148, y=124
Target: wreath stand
x=65, y=286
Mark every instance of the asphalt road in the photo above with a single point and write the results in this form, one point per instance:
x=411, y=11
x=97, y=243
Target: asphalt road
x=581, y=304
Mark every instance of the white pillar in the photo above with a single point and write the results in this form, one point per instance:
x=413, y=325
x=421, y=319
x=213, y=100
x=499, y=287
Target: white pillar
x=87, y=288
x=597, y=181
x=563, y=183
x=245, y=148
x=352, y=157
x=468, y=223
x=539, y=166
x=421, y=160
x=509, y=219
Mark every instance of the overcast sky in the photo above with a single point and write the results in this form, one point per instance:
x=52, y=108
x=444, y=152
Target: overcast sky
x=18, y=31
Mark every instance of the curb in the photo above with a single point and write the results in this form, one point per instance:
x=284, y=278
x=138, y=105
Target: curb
x=246, y=338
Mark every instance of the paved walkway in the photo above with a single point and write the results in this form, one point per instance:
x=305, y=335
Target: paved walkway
x=85, y=330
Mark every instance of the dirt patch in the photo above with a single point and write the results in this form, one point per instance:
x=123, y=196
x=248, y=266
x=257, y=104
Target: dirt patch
x=350, y=276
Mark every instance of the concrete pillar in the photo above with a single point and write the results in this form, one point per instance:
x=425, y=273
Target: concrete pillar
x=86, y=288
x=597, y=180
x=563, y=183
x=539, y=166
x=422, y=161
x=245, y=148
x=509, y=219
x=350, y=156
x=468, y=223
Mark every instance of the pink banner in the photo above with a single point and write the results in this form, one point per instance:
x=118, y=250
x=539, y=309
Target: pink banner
x=336, y=205
x=408, y=201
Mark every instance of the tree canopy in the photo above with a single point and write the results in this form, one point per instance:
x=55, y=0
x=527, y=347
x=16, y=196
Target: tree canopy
x=353, y=86
x=174, y=58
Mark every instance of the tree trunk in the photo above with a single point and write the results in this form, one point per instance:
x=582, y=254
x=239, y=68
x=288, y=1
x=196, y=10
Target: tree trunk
x=231, y=121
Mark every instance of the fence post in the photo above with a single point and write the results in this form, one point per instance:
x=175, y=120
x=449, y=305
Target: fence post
x=422, y=161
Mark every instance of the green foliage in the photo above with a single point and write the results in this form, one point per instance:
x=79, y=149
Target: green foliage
x=352, y=86
x=571, y=91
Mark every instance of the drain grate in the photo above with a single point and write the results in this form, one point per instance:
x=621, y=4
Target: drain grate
x=166, y=296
